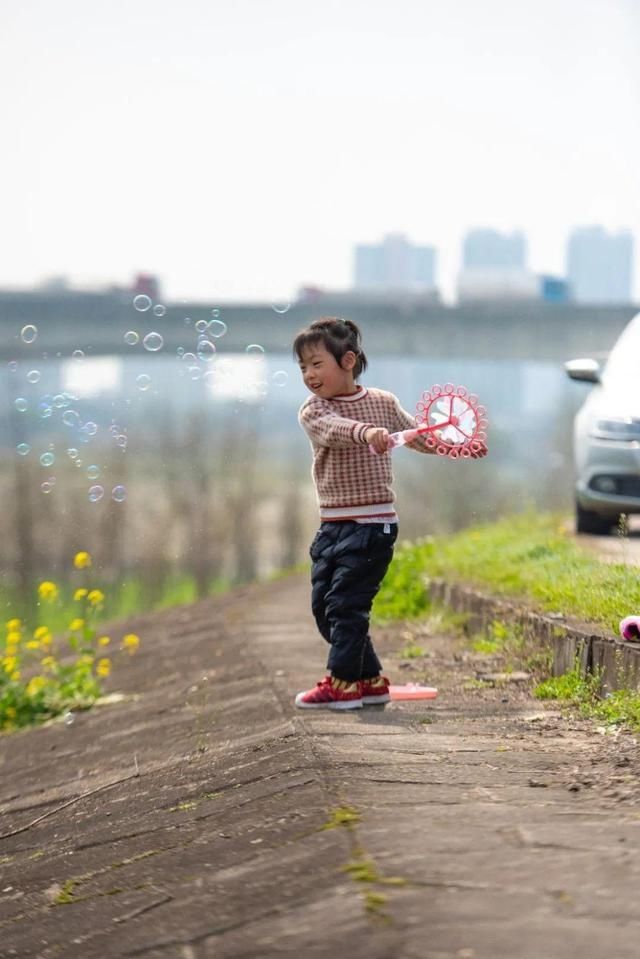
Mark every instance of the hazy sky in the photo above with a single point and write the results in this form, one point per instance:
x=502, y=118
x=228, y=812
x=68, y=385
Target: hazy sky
x=239, y=148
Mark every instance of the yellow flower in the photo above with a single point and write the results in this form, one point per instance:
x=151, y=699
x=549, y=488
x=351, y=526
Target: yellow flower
x=13, y=639
x=82, y=560
x=32, y=644
x=96, y=597
x=41, y=632
x=103, y=667
x=48, y=662
x=14, y=624
x=48, y=591
x=35, y=685
x=46, y=640
x=130, y=642
x=11, y=650
x=104, y=640
x=76, y=624
x=11, y=712
x=80, y=594
x=9, y=664
x=15, y=676
x=85, y=660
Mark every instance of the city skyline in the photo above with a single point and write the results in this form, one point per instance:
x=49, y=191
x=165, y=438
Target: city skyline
x=240, y=150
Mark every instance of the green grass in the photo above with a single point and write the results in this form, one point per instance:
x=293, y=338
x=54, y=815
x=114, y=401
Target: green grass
x=621, y=707
x=527, y=556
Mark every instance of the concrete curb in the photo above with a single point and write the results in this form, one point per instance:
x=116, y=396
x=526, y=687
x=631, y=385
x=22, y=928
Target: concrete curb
x=572, y=643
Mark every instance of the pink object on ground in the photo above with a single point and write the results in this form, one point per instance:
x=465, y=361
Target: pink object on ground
x=630, y=628
x=413, y=691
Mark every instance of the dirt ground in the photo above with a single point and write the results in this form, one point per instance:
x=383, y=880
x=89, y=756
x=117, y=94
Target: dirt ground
x=206, y=817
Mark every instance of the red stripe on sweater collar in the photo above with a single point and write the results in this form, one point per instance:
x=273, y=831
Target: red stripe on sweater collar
x=350, y=397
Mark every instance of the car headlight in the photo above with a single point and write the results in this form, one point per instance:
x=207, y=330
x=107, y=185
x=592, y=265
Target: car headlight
x=618, y=428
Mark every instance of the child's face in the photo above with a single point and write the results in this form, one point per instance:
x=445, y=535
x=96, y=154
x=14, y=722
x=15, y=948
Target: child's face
x=323, y=375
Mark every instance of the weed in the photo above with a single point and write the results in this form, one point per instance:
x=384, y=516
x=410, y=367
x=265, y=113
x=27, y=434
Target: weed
x=342, y=816
x=412, y=651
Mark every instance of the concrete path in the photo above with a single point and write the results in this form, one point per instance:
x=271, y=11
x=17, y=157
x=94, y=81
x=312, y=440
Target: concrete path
x=481, y=826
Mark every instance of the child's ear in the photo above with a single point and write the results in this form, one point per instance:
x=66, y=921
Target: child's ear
x=348, y=360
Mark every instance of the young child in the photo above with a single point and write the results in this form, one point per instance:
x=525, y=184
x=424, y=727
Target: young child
x=359, y=525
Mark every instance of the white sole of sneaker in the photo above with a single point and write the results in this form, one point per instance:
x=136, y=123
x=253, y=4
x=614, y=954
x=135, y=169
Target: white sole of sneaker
x=354, y=705
x=376, y=700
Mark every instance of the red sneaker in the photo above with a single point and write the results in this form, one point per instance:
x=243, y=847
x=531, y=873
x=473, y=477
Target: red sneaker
x=375, y=691
x=331, y=693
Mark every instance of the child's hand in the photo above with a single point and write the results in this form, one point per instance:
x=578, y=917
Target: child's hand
x=479, y=453
x=378, y=438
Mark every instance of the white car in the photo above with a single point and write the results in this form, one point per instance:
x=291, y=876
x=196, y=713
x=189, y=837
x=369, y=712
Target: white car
x=607, y=436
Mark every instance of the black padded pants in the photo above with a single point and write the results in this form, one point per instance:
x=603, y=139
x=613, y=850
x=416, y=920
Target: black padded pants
x=349, y=563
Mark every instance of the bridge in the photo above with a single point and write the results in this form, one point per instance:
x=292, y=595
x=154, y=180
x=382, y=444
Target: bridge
x=97, y=322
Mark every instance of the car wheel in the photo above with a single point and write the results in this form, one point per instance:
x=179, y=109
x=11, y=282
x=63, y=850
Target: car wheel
x=588, y=522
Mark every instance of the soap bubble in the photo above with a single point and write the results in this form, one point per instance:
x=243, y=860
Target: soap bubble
x=34, y=376
x=153, y=342
x=95, y=494
x=78, y=355
x=23, y=448
x=217, y=328
x=72, y=453
x=280, y=377
x=44, y=410
x=131, y=338
x=180, y=352
x=21, y=404
x=215, y=313
x=119, y=494
x=202, y=325
x=254, y=349
x=194, y=372
x=121, y=441
x=46, y=487
x=280, y=307
x=47, y=459
x=28, y=333
x=143, y=381
x=159, y=309
x=93, y=472
x=142, y=302
x=71, y=418
x=206, y=351
x=60, y=401
x=90, y=428
x=69, y=719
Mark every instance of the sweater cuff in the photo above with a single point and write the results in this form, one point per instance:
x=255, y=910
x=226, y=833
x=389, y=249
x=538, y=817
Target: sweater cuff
x=359, y=431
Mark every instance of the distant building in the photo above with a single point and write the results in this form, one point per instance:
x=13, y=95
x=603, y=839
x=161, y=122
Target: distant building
x=599, y=265
x=394, y=264
x=554, y=289
x=494, y=268
x=489, y=250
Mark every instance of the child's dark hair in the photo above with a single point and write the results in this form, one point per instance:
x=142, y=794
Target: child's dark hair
x=338, y=336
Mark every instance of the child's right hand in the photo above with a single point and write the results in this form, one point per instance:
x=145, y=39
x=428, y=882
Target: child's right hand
x=378, y=438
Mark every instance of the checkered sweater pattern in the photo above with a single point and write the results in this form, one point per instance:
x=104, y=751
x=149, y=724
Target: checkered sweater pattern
x=351, y=482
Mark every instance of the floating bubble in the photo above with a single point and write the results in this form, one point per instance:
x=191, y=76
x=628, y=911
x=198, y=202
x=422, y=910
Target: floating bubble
x=46, y=487
x=188, y=321
x=143, y=381
x=44, y=410
x=131, y=337
x=47, y=459
x=60, y=401
x=72, y=453
x=71, y=418
x=78, y=462
x=280, y=307
x=78, y=355
x=180, y=351
x=194, y=372
x=90, y=428
x=142, y=302
x=153, y=342
x=93, y=472
x=28, y=333
x=33, y=376
x=21, y=404
x=159, y=309
x=119, y=494
x=210, y=376
x=95, y=493
x=254, y=349
x=215, y=313
x=202, y=325
x=206, y=351
x=280, y=377
x=217, y=328
x=23, y=448
x=121, y=441
x=69, y=719
x=12, y=365
x=189, y=358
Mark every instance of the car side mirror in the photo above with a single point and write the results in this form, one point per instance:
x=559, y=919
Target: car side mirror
x=585, y=370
